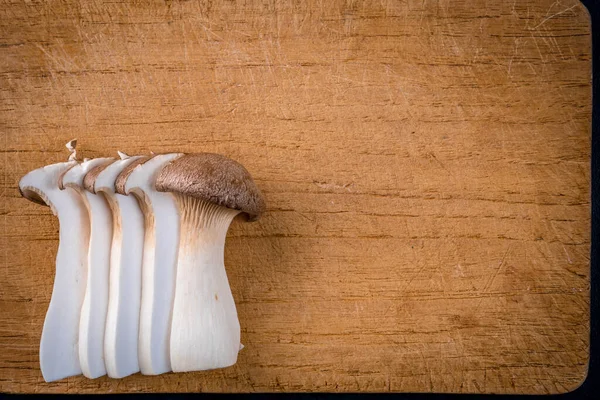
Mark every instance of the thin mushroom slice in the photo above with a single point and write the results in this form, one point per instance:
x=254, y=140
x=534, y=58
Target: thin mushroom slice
x=95, y=302
x=125, y=280
x=58, y=348
x=161, y=243
x=210, y=191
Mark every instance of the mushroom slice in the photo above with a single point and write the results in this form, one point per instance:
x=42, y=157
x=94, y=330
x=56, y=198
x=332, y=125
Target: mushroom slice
x=160, y=261
x=210, y=191
x=125, y=279
x=95, y=301
x=58, y=348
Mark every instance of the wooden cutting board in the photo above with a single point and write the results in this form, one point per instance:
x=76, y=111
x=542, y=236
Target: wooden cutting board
x=426, y=167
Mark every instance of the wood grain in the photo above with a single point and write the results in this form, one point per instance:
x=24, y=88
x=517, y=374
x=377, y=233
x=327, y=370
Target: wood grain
x=425, y=163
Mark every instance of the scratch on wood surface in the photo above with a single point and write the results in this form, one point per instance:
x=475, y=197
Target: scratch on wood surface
x=333, y=186
x=493, y=277
x=556, y=15
x=513, y=56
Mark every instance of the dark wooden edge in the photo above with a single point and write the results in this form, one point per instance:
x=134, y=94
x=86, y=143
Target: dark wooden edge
x=591, y=384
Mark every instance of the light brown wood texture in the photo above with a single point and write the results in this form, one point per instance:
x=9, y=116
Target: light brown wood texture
x=425, y=163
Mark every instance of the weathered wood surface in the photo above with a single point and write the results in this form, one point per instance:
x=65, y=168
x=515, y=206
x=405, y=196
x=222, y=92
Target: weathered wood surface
x=426, y=166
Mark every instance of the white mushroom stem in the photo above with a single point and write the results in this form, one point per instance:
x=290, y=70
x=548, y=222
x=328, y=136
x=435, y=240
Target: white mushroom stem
x=58, y=348
x=122, y=319
x=159, y=265
x=205, y=332
x=95, y=302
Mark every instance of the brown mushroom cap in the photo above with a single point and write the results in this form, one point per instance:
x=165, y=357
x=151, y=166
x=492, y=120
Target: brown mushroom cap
x=89, y=180
x=122, y=177
x=33, y=195
x=213, y=178
x=62, y=175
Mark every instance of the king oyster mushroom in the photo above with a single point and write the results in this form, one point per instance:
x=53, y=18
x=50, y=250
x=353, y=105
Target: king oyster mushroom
x=58, y=348
x=210, y=190
x=95, y=301
x=161, y=242
x=125, y=277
